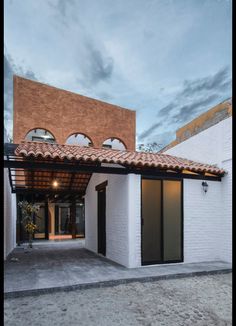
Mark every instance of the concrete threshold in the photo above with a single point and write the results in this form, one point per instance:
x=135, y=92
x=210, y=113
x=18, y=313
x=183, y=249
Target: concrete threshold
x=109, y=283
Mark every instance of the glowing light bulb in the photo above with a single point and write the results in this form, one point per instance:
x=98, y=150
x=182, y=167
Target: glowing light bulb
x=55, y=184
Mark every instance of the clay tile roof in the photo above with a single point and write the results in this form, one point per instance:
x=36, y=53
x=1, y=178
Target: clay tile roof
x=102, y=155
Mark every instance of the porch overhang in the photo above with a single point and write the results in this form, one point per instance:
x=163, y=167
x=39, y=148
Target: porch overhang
x=33, y=166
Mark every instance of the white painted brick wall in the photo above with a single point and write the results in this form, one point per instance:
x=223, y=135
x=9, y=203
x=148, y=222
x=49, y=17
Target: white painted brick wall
x=207, y=217
x=122, y=218
x=202, y=214
x=211, y=218
x=225, y=232
x=9, y=217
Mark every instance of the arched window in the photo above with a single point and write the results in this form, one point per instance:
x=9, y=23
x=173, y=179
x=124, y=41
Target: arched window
x=79, y=139
x=42, y=135
x=114, y=143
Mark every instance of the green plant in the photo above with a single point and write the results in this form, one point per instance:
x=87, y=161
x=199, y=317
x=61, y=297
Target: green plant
x=28, y=211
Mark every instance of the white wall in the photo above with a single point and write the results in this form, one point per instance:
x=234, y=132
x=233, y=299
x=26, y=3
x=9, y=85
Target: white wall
x=208, y=216
x=123, y=227
x=202, y=221
x=9, y=217
x=212, y=146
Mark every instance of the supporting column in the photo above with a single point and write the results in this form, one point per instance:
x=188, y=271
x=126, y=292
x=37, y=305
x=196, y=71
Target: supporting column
x=18, y=224
x=134, y=220
x=46, y=220
x=73, y=217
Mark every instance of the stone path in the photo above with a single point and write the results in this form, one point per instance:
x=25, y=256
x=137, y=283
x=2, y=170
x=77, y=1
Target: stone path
x=68, y=266
x=200, y=301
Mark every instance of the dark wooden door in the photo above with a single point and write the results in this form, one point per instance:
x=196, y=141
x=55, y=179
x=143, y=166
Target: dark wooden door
x=102, y=221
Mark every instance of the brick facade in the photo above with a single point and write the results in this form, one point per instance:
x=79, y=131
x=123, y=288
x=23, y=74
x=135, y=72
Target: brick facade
x=64, y=113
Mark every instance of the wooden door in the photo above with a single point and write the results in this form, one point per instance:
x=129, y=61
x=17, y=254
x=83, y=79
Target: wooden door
x=102, y=221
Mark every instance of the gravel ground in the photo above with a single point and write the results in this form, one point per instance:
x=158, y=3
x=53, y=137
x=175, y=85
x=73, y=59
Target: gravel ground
x=202, y=300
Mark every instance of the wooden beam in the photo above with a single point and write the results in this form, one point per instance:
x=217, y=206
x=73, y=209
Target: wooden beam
x=106, y=170
x=101, y=185
x=46, y=191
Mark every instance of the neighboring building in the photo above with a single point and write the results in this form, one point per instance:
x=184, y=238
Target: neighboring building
x=76, y=157
x=204, y=121
x=208, y=138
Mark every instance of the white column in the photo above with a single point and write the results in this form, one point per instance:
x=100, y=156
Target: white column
x=134, y=220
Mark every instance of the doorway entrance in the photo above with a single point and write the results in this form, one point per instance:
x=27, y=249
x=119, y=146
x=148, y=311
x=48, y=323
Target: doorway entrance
x=101, y=196
x=63, y=221
x=54, y=220
x=162, y=221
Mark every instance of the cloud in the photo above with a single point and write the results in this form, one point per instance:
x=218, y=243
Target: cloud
x=209, y=83
x=167, y=109
x=97, y=65
x=149, y=131
x=8, y=96
x=62, y=6
x=11, y=69
x=194, y=97
x=197, y=91
x=127, y=52
x=61, y=9
x=187, y=111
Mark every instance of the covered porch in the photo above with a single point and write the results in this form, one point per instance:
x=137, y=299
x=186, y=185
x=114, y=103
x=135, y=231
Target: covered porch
x=113, y=219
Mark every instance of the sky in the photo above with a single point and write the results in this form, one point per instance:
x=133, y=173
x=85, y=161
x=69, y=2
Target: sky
x=170, y=60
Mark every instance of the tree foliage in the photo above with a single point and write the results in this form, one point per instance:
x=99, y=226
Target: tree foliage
x=149, y=147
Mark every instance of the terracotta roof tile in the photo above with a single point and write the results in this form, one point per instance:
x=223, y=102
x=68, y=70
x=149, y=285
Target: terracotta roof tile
x=102, y=155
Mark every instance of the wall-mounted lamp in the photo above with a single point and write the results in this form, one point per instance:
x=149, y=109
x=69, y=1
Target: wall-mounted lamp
x=204, y=186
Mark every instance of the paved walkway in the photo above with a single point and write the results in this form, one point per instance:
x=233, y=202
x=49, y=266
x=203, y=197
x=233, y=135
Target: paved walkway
x=61, y=266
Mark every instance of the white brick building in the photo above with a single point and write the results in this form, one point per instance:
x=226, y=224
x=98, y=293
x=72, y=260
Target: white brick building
x=208, y=229
x=207, y=217
x=138, y=208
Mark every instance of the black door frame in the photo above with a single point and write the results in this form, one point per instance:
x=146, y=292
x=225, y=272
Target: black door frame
x=162, y=229
x=101, y=219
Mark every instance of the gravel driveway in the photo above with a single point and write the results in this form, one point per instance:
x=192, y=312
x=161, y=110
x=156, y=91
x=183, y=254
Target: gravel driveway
x=201, y=300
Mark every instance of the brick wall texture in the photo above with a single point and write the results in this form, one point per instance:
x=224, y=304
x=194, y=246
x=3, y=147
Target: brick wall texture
x=64, y=113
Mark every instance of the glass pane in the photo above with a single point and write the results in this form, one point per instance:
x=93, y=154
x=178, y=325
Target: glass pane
x=151, y=215
x=65, y=222
x=80, y=223
x=40, y=222
x=172, y=220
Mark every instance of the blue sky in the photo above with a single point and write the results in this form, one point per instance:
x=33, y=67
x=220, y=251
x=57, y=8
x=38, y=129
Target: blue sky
x=169, y=60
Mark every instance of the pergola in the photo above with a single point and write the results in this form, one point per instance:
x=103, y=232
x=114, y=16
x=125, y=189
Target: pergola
x=61, y=173
x=33, y=166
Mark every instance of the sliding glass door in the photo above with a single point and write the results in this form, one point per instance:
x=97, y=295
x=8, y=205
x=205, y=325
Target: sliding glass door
x=151, y=220
x=162, y=221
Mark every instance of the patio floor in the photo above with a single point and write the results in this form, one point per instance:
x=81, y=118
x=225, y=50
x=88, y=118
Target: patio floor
x=66, y=265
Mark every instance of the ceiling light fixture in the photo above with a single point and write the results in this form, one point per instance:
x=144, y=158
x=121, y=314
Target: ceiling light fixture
x=55, y=184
